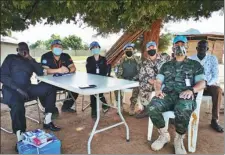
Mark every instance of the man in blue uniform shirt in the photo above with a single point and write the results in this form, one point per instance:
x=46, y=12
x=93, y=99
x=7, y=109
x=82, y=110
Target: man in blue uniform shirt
x=16, y=72
x=56, y=61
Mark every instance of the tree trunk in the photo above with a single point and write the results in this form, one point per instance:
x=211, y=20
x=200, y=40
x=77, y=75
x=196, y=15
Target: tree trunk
x=151, y=35
x=115, y=52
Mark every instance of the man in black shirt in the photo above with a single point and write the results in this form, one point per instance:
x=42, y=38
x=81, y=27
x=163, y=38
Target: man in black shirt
x=56, y=61
x=97, y=64
x=16, y=72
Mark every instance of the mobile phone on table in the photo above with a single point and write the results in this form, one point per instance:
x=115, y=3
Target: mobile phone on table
x=87, y=86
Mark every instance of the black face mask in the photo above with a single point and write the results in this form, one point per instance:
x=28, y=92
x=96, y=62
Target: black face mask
x=129, y=53
x=152, y=52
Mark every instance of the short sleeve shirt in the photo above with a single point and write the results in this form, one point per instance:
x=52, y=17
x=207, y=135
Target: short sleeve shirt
x=173, y=75
x=49, y=61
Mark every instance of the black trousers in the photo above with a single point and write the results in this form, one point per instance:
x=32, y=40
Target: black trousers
x=94, y=101
x=68, y=103
x=46, y=92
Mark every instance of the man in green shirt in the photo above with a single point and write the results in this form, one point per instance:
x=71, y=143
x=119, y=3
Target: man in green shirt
x=176, y=87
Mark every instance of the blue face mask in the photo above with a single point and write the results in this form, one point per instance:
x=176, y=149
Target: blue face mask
x=95, y=51
x=57, y=51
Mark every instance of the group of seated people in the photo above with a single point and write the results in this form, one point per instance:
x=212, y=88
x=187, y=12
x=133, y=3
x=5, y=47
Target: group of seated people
x=175, y=81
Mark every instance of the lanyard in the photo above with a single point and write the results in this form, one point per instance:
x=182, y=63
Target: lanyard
x=58, y=64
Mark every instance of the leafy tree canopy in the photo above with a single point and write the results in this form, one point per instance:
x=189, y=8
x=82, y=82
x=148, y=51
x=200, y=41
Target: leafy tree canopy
x=71, y=42
x=165, y=41
x=104, y=16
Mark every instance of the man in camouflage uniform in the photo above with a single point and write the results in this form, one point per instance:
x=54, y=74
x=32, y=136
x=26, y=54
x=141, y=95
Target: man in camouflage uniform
x=149, y=70
x=128, y=68
x=182, y=78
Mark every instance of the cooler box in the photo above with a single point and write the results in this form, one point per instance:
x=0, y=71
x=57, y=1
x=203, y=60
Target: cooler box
x=54, y=147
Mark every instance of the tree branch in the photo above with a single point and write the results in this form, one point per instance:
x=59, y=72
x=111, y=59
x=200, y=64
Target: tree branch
x=32, y=9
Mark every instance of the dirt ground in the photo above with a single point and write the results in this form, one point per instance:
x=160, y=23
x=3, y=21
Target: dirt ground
x=77, y=127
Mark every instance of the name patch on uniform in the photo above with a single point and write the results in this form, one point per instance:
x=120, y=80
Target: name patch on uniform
x=44, y=61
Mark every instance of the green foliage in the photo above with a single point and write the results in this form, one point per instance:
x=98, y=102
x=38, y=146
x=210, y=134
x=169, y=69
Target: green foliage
x=164, y=42
x=71, y=42
x=104, y=16
x=38, y=44
x=86, y=47
x=48, y=42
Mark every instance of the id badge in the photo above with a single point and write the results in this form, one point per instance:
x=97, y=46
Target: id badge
x=188, y=82
x=97, y=70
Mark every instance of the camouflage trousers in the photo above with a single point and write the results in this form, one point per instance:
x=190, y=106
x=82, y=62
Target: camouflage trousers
x=134, y=97
x=145, y=97
x=182, y=109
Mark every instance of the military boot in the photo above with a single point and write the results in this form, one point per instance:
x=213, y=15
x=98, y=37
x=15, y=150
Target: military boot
x=179, y=144
x=142, y=114
x=131, y=110
x=164, y=137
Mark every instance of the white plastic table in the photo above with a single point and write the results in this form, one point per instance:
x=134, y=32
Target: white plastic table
x=104, y=84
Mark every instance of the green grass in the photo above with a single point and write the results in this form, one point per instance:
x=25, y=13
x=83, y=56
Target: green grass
x=75, y=58
x=78, y=58
x=80, y=67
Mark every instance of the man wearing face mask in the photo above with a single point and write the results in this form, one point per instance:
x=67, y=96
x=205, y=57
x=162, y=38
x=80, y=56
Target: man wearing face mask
x=56, y=61
x=182, y=79
x=149, y=70
x=97, y=64
x=128, y=68
x=210, y=64
x=16, y=72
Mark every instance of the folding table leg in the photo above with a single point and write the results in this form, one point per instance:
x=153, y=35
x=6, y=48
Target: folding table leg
x=96, y=124
x=110, y=94
x=84, y=107
x=122, y=118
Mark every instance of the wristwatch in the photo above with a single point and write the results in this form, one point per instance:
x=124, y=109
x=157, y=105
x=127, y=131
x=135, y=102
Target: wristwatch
x=192, y=89
x=68, y=69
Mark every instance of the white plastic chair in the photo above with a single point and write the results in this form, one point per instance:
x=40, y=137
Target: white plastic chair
x=192, y=128
x=209, y=106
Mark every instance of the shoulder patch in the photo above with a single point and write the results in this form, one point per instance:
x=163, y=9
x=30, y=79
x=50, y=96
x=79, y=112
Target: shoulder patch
x=44, y=61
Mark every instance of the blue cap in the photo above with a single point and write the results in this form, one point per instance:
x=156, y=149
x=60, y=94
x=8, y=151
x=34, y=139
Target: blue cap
x=57, y=41
x=93, y=44
x=128, y=45
x=180, y=38
x=151, y=43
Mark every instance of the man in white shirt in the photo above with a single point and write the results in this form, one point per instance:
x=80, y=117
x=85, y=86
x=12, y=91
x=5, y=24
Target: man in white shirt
x=210, y=64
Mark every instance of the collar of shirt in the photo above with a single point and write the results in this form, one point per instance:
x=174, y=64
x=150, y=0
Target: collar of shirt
x=58, y=63
x=202, y=62
x=174, y=59
x=152, y=63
